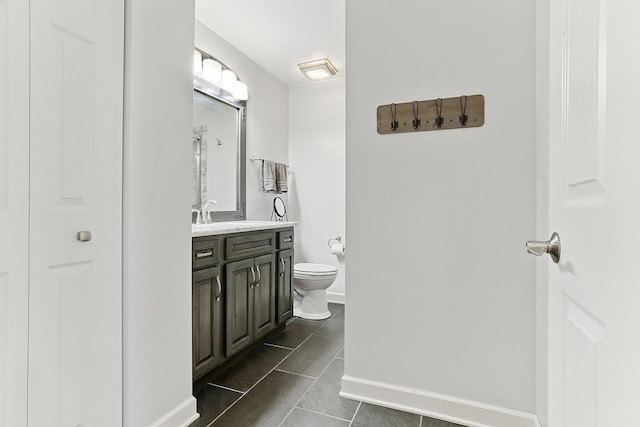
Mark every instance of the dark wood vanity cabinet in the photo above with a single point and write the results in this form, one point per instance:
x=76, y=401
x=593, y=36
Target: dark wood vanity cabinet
x=246, y=294
x=207, y=320
x=251, y=301
x=285, y=290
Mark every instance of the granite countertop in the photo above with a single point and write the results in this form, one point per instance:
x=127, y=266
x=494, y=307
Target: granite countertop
x=226, y=227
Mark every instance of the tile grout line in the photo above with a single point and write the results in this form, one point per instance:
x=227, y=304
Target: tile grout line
x=226, y=388
x=307, y=390
x=354, y=414
x=293, y=373
x=320, y=413
x=258, y=382
x=278, y=346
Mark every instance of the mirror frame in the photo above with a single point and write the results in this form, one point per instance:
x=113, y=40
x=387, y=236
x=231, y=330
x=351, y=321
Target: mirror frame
x=276, y=211
x=205, y=87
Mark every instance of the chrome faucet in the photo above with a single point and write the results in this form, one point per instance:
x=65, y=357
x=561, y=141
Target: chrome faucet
x=198, y=216
x=206, y=212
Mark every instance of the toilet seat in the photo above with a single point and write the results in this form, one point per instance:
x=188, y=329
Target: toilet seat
x=310, y=269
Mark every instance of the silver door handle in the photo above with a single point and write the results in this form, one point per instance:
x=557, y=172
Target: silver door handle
x=253, y=281
x=83, y=236
x=284, y=267
x=259, y=276
x=219, y=288
x=551, y=247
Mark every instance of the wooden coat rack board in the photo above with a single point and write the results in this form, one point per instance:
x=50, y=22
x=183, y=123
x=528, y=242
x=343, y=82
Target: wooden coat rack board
x=434, y=114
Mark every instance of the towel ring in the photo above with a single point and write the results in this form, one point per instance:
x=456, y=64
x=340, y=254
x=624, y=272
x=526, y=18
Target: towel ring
x=335, y=239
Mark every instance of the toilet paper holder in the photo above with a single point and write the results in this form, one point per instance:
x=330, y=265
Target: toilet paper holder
x=335, y=239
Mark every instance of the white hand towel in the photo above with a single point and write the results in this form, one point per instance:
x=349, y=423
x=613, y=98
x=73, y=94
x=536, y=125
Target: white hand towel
x=282, y=185
x=268, y=177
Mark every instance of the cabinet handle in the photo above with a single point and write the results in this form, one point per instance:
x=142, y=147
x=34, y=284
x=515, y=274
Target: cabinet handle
x=259, y=276
x=284, y=266
x=253, y=281
x=204, y=254
x=219, y=288
x=288, y=239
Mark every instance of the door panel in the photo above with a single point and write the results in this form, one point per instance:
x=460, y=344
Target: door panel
x=265, y=296
x=76, y=177
x=69, y=331
x=583, y=332
x=586, y=95
x=14, y=210
x=285, y=290
x=207, y=320
x=202, y=322
x=239, y=305
x=594, y=323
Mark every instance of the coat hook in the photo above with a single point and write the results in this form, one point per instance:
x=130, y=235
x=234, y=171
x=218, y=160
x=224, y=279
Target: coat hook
x=416, y=120
x=463, y=108
x=394, y=121
x=439, y=119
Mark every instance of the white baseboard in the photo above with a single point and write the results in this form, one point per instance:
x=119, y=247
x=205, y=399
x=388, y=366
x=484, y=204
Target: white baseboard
x=335, y=298
x=447, y=408
x=180, y=416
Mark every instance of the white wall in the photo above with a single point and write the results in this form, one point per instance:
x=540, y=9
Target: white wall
x=317, y=158
x=157, y=237
x=542, y=201
x=441, y=292
x=267, y=113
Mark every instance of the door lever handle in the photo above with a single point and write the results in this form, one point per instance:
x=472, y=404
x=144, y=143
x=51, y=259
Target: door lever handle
x=551, y=247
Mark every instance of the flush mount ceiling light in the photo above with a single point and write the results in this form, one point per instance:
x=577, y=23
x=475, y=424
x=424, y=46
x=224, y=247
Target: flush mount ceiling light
x=316, y=70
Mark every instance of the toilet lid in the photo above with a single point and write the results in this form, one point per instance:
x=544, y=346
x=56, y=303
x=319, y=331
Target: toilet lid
x=305, y=267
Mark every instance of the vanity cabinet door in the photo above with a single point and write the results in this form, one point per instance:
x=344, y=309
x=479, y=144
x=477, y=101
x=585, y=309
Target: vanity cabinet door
x=264, y=297
x=207, y=320
x=285, y=285
x=240, y=279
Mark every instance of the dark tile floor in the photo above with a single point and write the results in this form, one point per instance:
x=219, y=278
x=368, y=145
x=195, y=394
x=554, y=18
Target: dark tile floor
x=293, y=380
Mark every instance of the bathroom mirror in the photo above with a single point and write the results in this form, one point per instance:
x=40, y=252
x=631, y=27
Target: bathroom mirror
x=218, y=152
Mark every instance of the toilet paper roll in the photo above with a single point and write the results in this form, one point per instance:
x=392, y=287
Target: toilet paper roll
x=337, y=249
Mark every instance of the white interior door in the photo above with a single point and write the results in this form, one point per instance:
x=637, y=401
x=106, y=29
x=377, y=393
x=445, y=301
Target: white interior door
x=594, y=205
x=14, y=209
x=75, y=303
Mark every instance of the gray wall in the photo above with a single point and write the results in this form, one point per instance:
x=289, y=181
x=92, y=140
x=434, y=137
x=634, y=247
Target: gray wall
x=157, y=196
x=441, y=294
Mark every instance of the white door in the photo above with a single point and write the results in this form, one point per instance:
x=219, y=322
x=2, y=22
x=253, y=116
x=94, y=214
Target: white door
x=594, y=205
x=75, y=303
x=14, y=210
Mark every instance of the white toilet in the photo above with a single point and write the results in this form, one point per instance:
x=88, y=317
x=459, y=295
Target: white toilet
x=310, y=283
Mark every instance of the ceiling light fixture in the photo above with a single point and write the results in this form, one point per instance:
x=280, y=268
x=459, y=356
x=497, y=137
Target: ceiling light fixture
x=212, y=70
x=197, y=62
x=316, y=70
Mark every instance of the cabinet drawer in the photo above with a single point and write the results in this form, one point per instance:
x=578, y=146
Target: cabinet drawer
x=285, y=239
x=249, y=245
x=205, y=253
